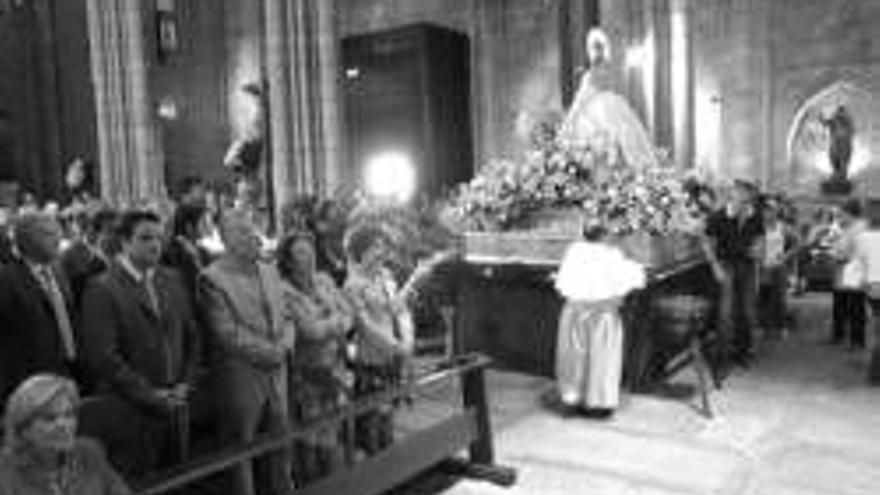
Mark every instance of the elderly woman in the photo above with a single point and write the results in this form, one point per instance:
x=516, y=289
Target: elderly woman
x=319, y=381
x=41, y=453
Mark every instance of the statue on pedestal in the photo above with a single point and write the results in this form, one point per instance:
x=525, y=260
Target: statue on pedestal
x=841, y=129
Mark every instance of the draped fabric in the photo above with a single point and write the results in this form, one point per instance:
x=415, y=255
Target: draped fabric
x=602, y=119
x=301, y=53
x=130, y=159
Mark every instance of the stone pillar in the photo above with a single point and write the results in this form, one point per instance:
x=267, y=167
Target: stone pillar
x=649, y=66
x=301, y=67
x=682, y=82
x=130, y=159
x=329, y=48
x=275, y=70
x=662, y=124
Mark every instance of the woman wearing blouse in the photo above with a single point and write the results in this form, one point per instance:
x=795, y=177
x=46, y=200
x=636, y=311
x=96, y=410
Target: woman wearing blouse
x=41, y=453
x=384, y=333
x=319, y=380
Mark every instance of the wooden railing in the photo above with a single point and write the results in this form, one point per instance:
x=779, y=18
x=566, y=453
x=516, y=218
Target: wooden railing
x=468, y=429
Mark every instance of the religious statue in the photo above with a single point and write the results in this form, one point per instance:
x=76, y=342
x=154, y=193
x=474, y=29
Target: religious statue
x=840, y=131
x=602, y=119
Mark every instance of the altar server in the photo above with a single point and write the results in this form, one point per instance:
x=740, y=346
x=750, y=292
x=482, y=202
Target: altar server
x=594, y=277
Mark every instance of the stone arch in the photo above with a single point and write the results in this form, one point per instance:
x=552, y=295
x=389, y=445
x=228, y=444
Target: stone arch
x=806, y=141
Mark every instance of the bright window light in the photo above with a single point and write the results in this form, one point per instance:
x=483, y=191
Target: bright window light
x=391, y=175
x=636, y=56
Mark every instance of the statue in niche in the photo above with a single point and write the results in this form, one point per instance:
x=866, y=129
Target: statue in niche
x=841, y=130
x=600, y=118
x=832, y=133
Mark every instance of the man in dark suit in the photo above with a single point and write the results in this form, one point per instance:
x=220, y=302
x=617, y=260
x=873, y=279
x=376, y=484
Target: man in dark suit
x=142, y=342
x=36, y=328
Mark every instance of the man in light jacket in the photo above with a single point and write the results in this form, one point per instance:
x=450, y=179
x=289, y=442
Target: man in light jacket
x=243, y=303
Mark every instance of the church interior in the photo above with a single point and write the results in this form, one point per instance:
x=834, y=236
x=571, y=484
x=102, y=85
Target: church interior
x=628, y=246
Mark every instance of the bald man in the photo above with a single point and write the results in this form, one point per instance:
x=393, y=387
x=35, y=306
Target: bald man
x=243, y=302
x=36, y=325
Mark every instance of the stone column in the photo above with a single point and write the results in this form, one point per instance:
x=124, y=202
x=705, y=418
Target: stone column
x=329, y=48
x=301, y=67
x=662, y=77
x=682, y=82
x=130, y=159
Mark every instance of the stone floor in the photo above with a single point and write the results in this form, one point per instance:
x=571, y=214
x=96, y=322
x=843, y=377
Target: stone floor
x=801, y=421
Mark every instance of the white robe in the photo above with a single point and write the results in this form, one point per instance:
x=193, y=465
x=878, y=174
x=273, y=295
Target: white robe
x=594, y=278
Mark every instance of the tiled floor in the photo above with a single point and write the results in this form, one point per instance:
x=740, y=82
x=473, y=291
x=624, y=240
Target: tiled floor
x=802, y=421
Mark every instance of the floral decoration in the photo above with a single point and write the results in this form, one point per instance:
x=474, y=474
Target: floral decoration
x=596, y=180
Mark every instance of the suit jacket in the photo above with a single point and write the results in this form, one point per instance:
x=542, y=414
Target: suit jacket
x=254, y=340
x=80, y=263
x=6, y=252
x=30, y=341
x=132, y=348
x=188, y=262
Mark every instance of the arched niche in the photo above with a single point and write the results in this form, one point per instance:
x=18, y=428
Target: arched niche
x=807, y=140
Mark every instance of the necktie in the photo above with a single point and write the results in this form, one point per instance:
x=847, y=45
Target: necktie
x=59, y=307
x=150, y=288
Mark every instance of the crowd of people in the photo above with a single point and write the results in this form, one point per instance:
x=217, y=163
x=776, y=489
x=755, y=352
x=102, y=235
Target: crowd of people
x=194, y=328
x=759, y=251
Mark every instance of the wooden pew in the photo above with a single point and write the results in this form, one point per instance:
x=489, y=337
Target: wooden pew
x=437, y=445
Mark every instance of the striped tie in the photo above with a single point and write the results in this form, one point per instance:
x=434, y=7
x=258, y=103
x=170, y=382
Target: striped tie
x=59, y=307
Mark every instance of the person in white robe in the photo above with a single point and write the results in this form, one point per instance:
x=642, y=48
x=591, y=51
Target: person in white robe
x=594, y=277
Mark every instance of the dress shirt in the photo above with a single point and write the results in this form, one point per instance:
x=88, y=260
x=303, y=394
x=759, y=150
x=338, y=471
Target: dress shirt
x=144, y=278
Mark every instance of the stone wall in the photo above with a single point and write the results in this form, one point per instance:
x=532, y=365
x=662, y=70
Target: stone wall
x=46, y=104
x=192, y=80
x=730, y=68
x=514, y=51
x=758, y=62
x=814, y=45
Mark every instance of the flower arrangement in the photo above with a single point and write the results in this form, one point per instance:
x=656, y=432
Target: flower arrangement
x=594, y=180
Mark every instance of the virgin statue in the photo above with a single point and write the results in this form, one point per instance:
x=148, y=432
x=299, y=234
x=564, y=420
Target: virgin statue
x=600, y=118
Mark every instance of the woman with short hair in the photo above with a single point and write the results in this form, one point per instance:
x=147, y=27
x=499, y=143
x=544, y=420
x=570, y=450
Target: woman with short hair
x=383, y=334
x=41, y=453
